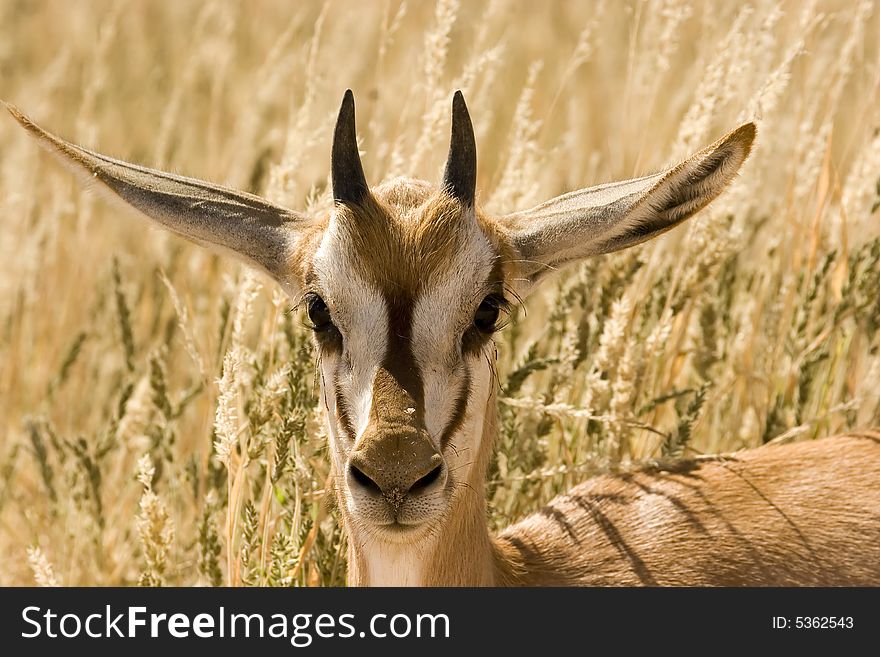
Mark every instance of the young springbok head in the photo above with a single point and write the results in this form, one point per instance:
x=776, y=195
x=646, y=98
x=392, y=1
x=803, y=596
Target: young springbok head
x=404, y=285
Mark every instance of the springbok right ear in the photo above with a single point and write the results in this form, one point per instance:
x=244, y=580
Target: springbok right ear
x=617, y=215
x=256, y=231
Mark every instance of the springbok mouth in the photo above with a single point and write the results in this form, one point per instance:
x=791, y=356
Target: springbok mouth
x=397, y=528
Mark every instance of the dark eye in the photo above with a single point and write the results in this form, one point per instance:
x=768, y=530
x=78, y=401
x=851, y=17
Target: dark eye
x=319, y=313
x=486, y=317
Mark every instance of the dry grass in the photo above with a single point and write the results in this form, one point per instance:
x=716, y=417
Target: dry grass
x=157, y=404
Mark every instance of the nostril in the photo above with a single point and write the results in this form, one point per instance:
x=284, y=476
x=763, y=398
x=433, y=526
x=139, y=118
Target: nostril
x=427, y=480
x=358, y=475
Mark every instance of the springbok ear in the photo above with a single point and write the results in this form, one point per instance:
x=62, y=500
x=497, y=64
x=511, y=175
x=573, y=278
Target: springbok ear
x=617, y=215
x=247, y=226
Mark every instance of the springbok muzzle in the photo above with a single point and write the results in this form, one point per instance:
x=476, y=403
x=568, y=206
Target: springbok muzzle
x=396, y=465
x=395, y=458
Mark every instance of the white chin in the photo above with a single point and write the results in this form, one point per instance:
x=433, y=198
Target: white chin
x=402, y=533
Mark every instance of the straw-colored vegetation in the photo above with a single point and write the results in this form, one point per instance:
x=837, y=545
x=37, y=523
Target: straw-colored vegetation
x=158, y=419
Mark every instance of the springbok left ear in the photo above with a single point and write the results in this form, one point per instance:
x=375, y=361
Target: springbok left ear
x=248, y=227
x=617, y=215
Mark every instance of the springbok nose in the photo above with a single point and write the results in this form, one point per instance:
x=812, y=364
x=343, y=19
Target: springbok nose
x=395, y=466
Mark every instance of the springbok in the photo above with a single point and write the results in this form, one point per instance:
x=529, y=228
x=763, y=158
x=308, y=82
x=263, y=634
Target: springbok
x=404, y=284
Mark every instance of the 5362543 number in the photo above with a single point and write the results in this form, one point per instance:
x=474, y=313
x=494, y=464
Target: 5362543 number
x=823, y=622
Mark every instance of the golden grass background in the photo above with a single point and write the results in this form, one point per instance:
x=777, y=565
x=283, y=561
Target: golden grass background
x=757, y=321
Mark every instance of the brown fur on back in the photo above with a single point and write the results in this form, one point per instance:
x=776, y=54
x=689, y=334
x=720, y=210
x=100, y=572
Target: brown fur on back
x=806, y=513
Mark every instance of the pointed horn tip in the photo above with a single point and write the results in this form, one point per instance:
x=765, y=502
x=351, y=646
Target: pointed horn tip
x=346, y=171
x=346, y=109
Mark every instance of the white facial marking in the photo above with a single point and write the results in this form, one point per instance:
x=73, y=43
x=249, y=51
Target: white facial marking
x=360, y=314
x=442, y=314
x=466, y=442
x=395, y=564
x=439, y=321
x=403, y=563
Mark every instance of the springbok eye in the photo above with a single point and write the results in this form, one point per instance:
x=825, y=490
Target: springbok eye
x=486, y=317
x=319, y=314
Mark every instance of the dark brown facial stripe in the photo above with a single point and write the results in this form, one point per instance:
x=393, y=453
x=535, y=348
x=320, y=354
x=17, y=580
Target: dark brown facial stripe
x=400, y=361
x=458, y=413
x=401, y=252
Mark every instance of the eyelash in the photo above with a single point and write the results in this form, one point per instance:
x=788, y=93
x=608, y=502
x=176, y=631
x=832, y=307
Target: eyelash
x=486, y=317
x=326, y=334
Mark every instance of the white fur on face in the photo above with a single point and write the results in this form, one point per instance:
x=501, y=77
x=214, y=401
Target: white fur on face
x=443, y=312
x=465, y=444
x=441, y=316
x=359, y=312
x=403, y=562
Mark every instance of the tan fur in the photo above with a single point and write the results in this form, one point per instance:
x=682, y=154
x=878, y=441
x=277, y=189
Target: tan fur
x=411, y=225
x=805, y=513
x=395, y=450
x=465, y=556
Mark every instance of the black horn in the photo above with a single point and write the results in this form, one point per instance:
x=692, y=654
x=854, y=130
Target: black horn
x=347, y=173
x=460, y=177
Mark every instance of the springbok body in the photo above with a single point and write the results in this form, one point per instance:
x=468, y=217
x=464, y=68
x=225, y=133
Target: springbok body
x=799, y=514
x=404, y=285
